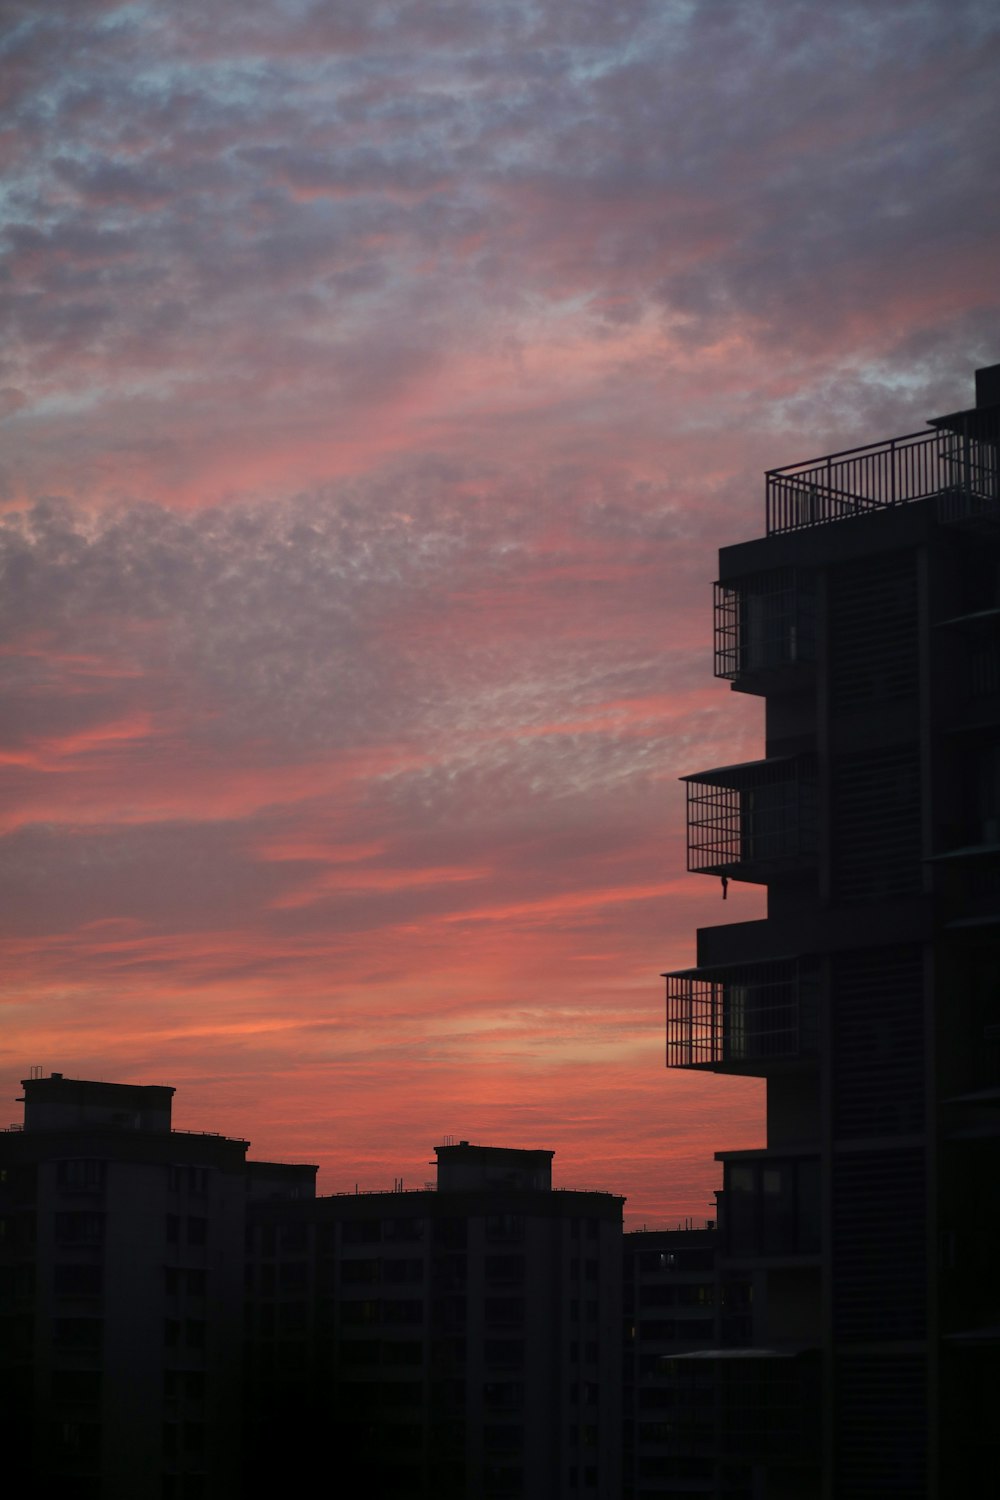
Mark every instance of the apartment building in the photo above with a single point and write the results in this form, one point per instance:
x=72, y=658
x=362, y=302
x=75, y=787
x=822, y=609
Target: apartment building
x=462, y=1340
x=671, y=1308
x=860, y=1240
x=121, y=1294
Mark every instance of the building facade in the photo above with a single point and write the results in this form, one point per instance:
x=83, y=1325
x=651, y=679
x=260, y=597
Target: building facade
x=180, y=1323
x=671, y=1308
x=121, y=1294
x=856, y=1247
x=458, y=1342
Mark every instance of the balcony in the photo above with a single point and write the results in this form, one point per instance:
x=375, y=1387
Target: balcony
x=766, y=1405
x=765, y=627
x=971, y=666
x=958, y=461
x=753, y=821
x=771, y=1210
x=744, y=1019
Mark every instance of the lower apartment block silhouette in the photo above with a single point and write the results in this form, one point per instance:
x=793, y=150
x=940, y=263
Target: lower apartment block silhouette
x=180, y=1323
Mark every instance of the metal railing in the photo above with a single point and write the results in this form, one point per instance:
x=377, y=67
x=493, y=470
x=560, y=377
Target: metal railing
x=764, y=621
x=747, y=1014
x=752, y=819
x=957, y=463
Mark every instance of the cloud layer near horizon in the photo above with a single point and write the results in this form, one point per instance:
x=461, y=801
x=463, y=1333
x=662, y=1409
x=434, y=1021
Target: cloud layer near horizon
x=378, y=381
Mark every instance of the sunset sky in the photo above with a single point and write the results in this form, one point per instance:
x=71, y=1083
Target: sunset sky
x=379, y=379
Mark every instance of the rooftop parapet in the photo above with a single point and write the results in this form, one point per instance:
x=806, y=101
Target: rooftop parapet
x=58, y=1103
x=464, y=1166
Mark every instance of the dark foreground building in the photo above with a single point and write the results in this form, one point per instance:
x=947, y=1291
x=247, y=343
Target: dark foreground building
x=858, y=1250
x=671, y=1307
x=461, y=1343
x=121, y=1295
x=179, y=1323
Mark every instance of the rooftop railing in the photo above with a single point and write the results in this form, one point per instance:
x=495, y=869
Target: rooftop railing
x=958, y=462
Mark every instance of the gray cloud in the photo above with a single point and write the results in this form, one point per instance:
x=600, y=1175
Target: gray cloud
x=380, y=610
x=789, y=167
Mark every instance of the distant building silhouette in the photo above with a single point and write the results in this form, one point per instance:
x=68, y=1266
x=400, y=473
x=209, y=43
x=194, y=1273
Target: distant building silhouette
x=858, y=1249
x=463, y=1342
x=671, y=1307
x=121, y=1295
x=179, y=1323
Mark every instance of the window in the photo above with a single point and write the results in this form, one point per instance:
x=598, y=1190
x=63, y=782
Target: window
x=79, y=1228
x=504, y=1268
x=194, y=1437
x=78, y=1281
x=359, y=1272
x=81, y=1176
x=500, y=1227
x=361, y=1232
x=188, y=1385
x=403, y=1229
x=395, y=1272
x=292, y=1317
x=402, y=1312
x=504, y=1312
x=503, y=1439
x=293, y=1276
x=80, y=1387
x=195, y=1330
x=402, y=1352
x=359, y=1352
x=197, y=1230
x=79, y=1333
x=366, y=1312
x=503, y=1395
x=451, y=1233
x=504, y=1354
x=77, y=1441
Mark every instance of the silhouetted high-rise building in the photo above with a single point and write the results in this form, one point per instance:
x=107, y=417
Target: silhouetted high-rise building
x=861, y=1241
x=121, y=1294
x=179, y=1323
x=462, y=1343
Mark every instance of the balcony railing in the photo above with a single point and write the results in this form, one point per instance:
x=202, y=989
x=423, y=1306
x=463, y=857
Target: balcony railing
x=957, y=461
x=764, y=1406
x=736, y=1019
x=764, y=622
x=752, y=821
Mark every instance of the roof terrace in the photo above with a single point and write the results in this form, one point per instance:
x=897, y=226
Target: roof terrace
x=958, y=461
